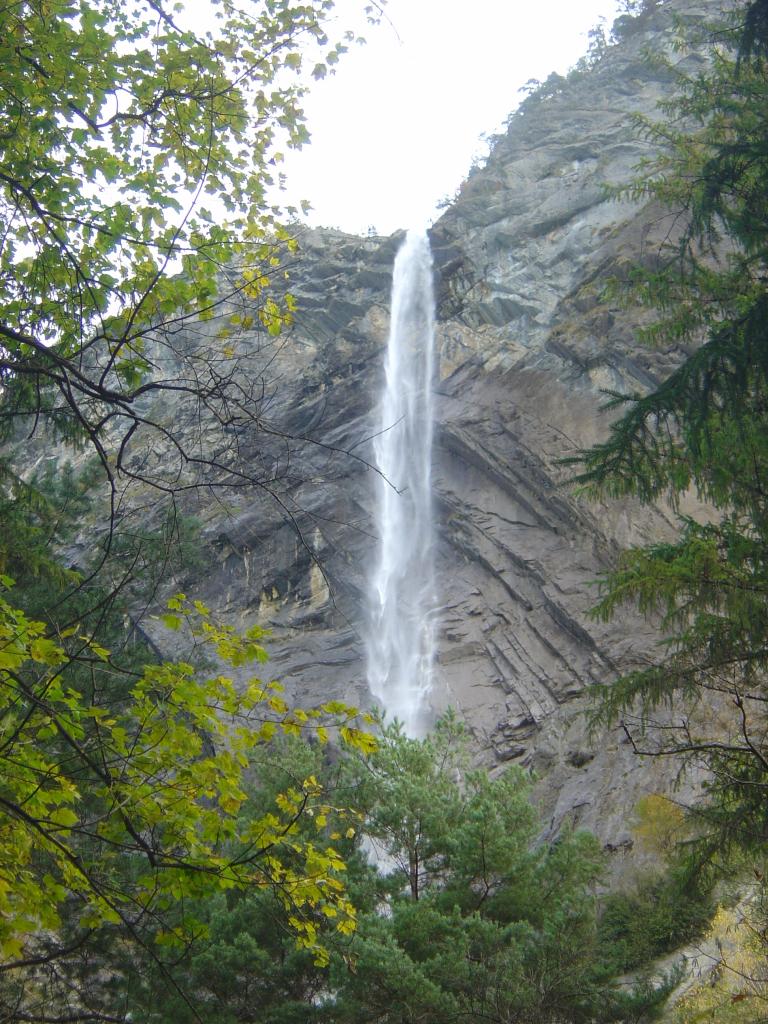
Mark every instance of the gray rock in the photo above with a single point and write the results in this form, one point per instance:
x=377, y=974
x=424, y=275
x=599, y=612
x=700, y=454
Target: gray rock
x=526, y=341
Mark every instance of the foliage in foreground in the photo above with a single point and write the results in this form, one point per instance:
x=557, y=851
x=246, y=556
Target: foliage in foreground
x=705, y=428
x=483, y=923
x=143, y=254
x=463, y=914
x=157, y=881
x=735, y=990
x=138, y=143
x=122, y=801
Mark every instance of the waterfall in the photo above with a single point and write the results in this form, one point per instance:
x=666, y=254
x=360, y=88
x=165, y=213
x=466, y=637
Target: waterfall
x=402, y=599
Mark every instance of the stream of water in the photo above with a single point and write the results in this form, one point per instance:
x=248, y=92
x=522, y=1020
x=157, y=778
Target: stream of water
x=402, y=589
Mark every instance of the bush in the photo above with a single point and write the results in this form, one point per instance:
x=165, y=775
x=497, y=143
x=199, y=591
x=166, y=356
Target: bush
x=661, y=915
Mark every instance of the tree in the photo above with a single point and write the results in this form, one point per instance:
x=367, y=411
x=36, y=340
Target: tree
x=704, y=428
x=121, y=809
x=663, y=906
x=482, y=921
x=138, y=144
x=247, y=966
x=501, y=927
x=122, y=799
x=138, y=147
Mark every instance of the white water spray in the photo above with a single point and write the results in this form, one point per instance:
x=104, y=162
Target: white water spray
x=402, y=593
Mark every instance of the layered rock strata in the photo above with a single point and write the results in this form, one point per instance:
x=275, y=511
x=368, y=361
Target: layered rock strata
x=526, y=343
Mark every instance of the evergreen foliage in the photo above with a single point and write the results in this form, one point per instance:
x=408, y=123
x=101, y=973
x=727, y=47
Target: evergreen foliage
x=662, y=914
x=500, y=927
x=483, y=921
x=704, y=429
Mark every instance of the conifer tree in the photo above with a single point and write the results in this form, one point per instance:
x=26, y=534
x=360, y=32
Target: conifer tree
x=704, y=429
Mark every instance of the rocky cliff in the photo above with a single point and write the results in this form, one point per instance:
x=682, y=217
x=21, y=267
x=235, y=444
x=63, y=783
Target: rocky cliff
x=526, y=341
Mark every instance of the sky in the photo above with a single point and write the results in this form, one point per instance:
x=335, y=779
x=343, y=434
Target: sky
x=397, y=128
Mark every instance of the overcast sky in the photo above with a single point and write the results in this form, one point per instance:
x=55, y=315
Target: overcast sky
x=396, y=129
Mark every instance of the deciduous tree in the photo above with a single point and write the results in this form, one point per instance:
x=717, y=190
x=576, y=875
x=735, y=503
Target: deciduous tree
x=122, y=806
x=139, y=143
x=139, y=147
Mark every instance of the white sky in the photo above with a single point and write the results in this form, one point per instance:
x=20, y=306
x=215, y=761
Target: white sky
x=396, y=129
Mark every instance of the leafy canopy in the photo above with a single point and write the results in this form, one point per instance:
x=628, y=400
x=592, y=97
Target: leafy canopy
x=138, y=145
x=118, y=120
x=123, y=806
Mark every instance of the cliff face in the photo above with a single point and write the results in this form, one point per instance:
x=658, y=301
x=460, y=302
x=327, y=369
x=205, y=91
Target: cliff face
x=525, y=344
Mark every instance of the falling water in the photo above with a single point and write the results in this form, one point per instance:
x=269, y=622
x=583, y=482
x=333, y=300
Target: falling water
x=401, y=638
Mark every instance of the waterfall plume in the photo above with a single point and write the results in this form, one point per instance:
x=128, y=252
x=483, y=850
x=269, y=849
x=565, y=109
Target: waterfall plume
x=402, y=591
